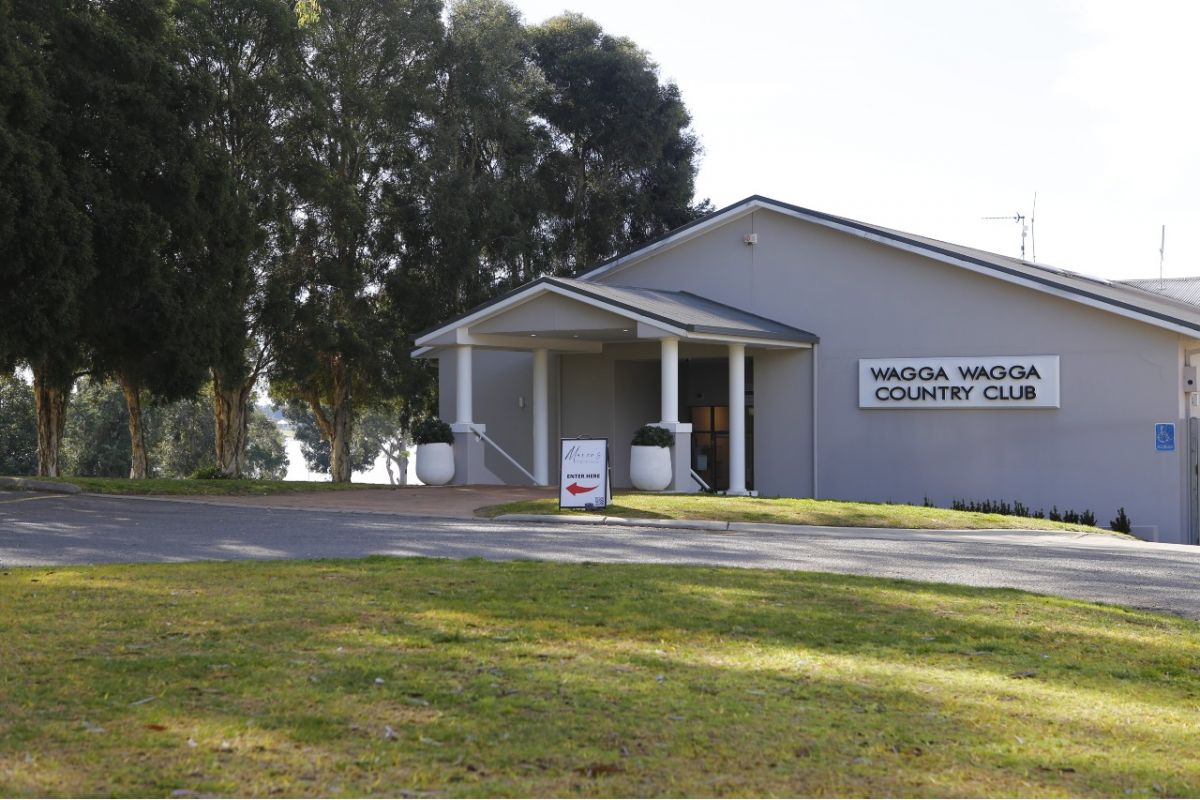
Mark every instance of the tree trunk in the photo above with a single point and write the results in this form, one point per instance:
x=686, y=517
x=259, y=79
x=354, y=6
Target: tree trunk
x=51, y=403
x=138, y=468
x=231, y=402
x=336, y=431
x=340, y=465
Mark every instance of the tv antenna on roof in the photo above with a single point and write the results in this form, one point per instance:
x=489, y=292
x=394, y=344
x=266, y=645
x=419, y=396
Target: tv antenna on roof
x=1162, y=247
x=1026, y=230
x=1020, y=218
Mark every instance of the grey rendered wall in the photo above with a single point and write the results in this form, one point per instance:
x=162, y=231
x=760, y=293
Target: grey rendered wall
x=867, y=300
x=636, y=387
x=783, y=423
x=499, y=378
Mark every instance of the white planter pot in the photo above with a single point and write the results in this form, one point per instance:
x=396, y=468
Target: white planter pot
x=650, y=467
x=435, y=463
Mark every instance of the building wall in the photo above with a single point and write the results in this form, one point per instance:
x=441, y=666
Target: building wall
x=865, y=300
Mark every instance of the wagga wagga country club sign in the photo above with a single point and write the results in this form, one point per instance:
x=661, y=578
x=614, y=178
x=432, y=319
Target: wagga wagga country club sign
x=971, y=382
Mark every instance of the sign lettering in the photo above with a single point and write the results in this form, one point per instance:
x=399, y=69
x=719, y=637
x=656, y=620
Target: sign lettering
x=967, y=382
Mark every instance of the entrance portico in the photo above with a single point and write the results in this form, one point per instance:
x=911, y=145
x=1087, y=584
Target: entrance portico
x=586, y=348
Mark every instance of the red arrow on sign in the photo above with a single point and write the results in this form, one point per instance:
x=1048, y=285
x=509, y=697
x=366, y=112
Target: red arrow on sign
x=575, y=488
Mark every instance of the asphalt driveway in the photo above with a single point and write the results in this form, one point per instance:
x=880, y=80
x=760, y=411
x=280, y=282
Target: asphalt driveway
x=87, y=529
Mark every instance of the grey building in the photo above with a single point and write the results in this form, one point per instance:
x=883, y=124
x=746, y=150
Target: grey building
x=796, y=353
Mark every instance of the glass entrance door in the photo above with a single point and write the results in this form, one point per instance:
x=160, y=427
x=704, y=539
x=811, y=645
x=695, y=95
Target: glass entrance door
x=710, y=444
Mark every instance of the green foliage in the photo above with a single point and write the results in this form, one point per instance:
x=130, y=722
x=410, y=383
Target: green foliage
x=179, y=437
x=45, y=266
x=432, y=431
x=18, y=427
x=129, y=116
x=623, y=166
x=96, y=441
x=1121, y=524
x=653, y=436
x=209, y=474
x=1019, y=509
x=266, y=450
x=366, y=438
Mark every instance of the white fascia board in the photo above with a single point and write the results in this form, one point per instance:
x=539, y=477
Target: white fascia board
x=439, y=336
x=423, y=352
x=501, y=342
x=721, y=338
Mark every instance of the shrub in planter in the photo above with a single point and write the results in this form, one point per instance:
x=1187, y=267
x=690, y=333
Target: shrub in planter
x=435, y=451
x=432, y=431
x=650, y=458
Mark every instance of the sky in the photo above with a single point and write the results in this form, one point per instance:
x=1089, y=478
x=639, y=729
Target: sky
x=928, y=115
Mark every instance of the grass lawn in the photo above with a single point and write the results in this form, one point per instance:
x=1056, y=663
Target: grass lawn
x=192, y=486
x=835, y=513
x=389, y=677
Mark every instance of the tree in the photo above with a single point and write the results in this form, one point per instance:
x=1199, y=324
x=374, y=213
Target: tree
x=367, y=77
x=45, y=265
x=151, y=190
x=623, y=166
x=18, y=426
x=243, y=53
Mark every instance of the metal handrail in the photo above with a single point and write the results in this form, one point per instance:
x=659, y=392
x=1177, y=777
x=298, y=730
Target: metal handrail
x=700, y=481
x=500, y=450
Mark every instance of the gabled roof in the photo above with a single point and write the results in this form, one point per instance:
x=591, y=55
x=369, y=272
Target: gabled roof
x=687, y=311
x=1123, y=298
x=679, y=312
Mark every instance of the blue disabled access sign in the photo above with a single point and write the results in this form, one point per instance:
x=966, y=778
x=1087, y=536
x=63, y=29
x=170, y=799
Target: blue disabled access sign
x=1164, y=437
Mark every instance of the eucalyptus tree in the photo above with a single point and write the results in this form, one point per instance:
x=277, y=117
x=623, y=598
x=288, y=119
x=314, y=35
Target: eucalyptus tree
x=243, y=53
x=45, y=265
x=367, y=75
x=623, y=167
x=483, y=155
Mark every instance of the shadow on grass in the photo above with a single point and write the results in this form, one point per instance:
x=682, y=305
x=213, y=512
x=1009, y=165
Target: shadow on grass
x=530, y=679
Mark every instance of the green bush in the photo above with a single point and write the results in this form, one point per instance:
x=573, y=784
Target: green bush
x=432, y=431
x=210, y=473
x=1019, y=509
x=1121, y=524
x=653, y=436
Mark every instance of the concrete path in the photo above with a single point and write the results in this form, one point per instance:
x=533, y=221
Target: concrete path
x=85, y=529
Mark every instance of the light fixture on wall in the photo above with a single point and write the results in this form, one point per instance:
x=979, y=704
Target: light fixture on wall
x=520, y=401
x=750, y=238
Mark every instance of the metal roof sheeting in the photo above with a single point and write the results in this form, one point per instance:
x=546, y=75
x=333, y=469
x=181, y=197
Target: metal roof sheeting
x=1185, y=290
x=686, y=310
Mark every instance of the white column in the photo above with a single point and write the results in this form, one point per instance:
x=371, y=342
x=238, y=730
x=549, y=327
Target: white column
x=541, y=416
x=737, y=419
x=670, y=380
x=462, y=360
